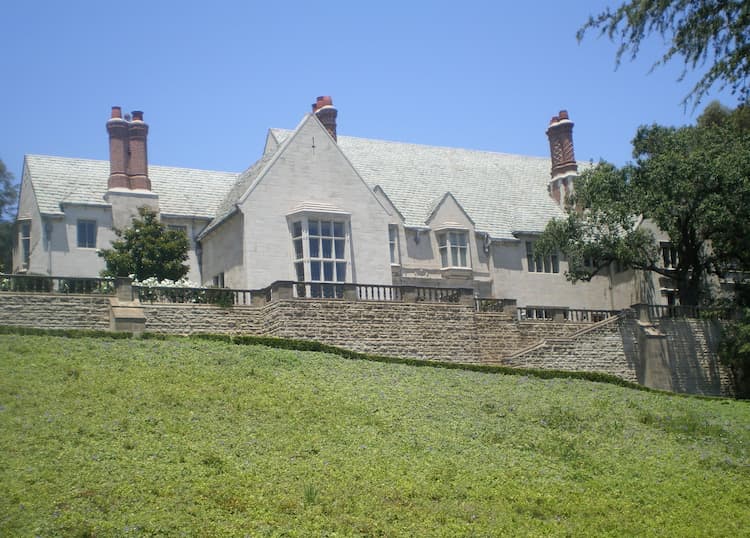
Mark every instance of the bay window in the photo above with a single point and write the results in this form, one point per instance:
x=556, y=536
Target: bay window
x=454, y=248
x=320, y=254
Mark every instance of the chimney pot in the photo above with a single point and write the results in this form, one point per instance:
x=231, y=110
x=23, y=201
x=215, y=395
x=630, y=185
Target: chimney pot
x=116, y=112
x=560, y=134
x=326, y=113
x=137, y=115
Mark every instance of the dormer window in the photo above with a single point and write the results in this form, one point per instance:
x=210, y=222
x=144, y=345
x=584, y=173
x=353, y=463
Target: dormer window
x=454, y=248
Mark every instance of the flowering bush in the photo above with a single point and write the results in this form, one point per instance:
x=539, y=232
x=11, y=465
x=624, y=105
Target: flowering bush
x=181, y=291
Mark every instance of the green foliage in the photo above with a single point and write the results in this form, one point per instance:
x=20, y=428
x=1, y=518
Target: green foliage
x=734, y=352
x=715, y=33
x=147, y=249
x=202, y=438
x=8, y=193
x=692, y=182
x=8, y=197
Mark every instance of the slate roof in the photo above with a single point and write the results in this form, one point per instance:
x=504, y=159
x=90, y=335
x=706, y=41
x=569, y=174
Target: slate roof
x=502, y=193
x=182, y=191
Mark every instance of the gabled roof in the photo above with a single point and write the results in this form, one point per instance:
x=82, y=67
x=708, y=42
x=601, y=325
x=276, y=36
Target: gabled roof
x=242, y=183
x=251, y=177
x=500, y=192
x=182, y=191
x=439, y=202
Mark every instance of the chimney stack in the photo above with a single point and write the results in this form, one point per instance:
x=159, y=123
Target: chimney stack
x=564, y=166
x=118, y=150
x=128, y=160
x=138, y=161
x=325, y=111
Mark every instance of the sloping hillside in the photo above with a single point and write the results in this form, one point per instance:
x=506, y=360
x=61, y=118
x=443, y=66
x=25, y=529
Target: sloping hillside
x=188, y=437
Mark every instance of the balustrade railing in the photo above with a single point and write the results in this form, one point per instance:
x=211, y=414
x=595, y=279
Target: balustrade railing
x=580, y=315
x=438, y=295
x=21, y=283
x=54, y=284
x=317, y=290
x=691, y=312
x=374, y=292
x=489, y=305
x=217, y=296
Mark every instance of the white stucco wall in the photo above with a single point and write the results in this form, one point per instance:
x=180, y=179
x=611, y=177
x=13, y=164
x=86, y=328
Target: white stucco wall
x=311, y=171
x=222, y=253
x=192, y=228
x=67, y=258
x=28, y=211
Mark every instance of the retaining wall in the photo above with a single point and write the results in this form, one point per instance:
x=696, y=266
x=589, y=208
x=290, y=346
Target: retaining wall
x=55, y=311
x=433, y=331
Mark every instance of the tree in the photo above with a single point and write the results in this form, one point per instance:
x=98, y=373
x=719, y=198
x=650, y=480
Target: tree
x=8, y=197
x=692, y=182
x=715, y=33
x=147, y=249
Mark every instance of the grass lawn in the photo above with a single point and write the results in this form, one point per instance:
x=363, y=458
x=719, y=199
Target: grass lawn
x=188, y=437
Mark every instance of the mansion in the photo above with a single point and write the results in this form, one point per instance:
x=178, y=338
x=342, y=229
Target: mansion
x=325, y=209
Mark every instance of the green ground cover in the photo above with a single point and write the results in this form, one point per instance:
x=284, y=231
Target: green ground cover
x=187, y=437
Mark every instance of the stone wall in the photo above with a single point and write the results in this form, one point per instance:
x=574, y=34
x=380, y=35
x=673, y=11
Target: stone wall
x=691, y=351
x=685, y=349
x=55, y=311
x=600, y=348
x=500, y=335
x=678, y=355
x=443, y=332
x=201, y=318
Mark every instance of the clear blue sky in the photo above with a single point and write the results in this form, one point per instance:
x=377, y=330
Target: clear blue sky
x=212, y=77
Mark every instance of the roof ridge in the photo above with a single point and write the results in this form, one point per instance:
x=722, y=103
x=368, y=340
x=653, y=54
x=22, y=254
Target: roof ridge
x=106, y=161
x=425, y=146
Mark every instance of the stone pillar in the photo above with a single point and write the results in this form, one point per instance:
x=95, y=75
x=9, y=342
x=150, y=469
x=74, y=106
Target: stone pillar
x=641, y=312
x=124, y=289
x=654, y=352
x=282, y=290
x=466, y=296
x=409, y=294
x=350, y=292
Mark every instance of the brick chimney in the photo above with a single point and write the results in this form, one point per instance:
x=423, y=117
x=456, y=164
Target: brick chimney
x=128, y=160
x=564, y=166
x=118, y=150
x=325, y=111
x=138, y=161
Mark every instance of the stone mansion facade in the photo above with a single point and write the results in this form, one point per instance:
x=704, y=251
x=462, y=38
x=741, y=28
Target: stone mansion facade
x=324, y=209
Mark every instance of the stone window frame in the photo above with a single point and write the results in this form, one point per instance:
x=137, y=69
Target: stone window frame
x=541, y=264
x=393, y=244
x=670, y=257
x=326, y=243
x=88, y=238
x=24, y=240
x=454, y=254
x=184, y=229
